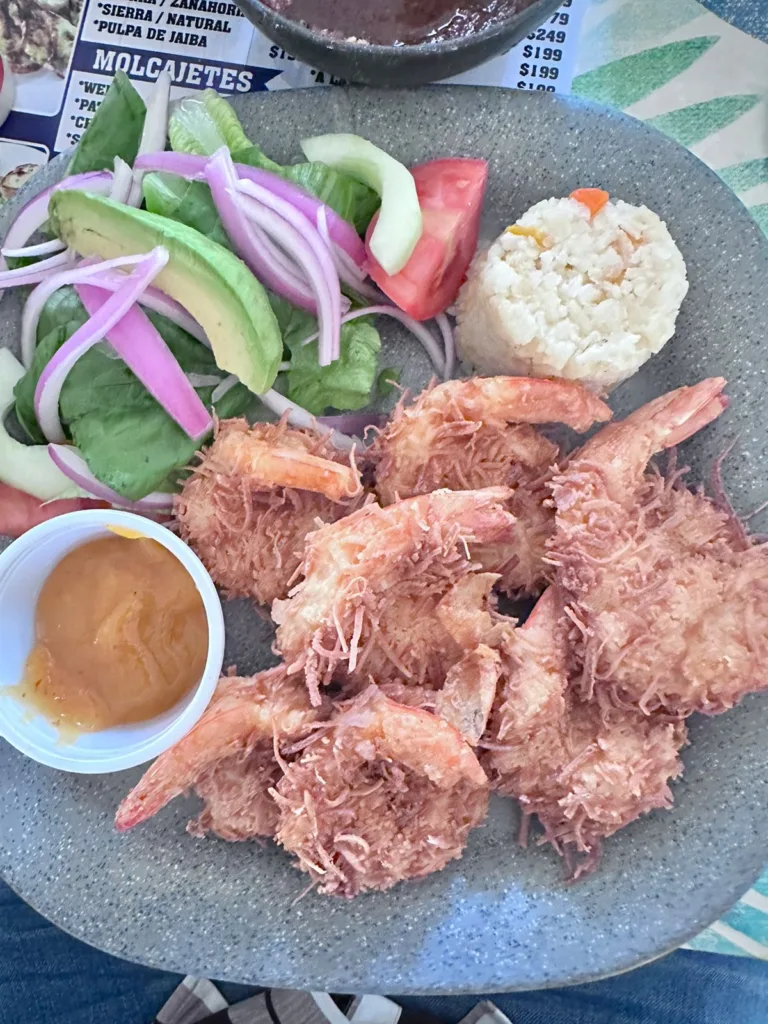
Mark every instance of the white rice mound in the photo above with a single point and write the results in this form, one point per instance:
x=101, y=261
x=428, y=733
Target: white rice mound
x=588, y=299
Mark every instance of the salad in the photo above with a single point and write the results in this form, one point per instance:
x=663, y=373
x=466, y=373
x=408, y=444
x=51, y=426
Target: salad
x=186, y=277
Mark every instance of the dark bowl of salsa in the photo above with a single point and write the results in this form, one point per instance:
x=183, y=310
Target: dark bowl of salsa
x=396, y=42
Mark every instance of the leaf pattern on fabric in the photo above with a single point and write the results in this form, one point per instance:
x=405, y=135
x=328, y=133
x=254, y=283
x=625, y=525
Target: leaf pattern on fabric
x=760, y=213
x=749, y=921
x=627, y=29
x=629, y=80
x=692, y=124
x=746, y=175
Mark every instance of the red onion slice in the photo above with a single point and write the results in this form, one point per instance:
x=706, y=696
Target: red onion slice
x=73, y=465
x=34, y=214
x=327, y=291
x=226, y=385
x=121, y=181
x=155, y=130
x=192, y=167
x=143, y=350
x=87, y=270
x=346, y=268
x=349, y=272
x=302, y=240
x=91, y=333
x=448, y=344
x=41, y=249
x=35, y=272
x=252, y=243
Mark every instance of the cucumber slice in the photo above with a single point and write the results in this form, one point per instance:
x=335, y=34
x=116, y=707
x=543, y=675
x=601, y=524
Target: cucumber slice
x=398, y=228
x=26, y=467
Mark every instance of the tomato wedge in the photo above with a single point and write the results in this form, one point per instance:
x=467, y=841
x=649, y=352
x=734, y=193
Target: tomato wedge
x=451, y=198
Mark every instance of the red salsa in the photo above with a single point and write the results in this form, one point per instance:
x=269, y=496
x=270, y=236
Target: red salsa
x=398, y=21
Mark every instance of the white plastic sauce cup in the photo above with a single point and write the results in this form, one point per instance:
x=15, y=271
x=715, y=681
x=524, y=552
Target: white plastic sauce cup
x=24, y=568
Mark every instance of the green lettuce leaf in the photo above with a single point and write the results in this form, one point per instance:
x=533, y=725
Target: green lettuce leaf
x=203, y=124
x=114, y=131
x=345, y=384
x=189, y=202
x=126, y=437
x=255, y=156
x=295, y=324
x=24, y=391
x=63, y=308
x=61, y=316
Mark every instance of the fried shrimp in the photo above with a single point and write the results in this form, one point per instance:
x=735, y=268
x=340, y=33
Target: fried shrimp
x=479, y=432
x=377, y=598
x=383, y=793
x=668, y=597
x=583, y=771
x=255, y=495
x=228, y=758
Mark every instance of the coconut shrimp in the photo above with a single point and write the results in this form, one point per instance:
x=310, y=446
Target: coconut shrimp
x=228, y=758
x=383, y=793
x=255, y=495
x=584, y=772
x=480, y=432
x=377, y=598
x=668, y=596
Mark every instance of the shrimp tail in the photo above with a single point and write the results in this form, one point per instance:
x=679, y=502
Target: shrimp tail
x=702, y=403
x=143, y=802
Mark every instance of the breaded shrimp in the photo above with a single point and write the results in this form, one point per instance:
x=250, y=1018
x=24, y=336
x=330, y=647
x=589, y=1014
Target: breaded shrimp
x=668, y=597
x=228, y=757
x=371, y=601
x=584, y=772
x=253, y=498
x=479, y=432
x=275, y=455
x=235, y=794
x=384, y=793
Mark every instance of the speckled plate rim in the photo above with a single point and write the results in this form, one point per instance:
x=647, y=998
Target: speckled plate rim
x=269, y=981
x=736, y=885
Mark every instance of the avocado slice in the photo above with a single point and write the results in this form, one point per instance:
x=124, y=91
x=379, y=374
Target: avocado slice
x=208, y=280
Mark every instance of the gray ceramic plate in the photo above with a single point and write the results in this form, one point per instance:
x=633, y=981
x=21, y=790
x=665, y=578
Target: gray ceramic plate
x=749, y=15
x=501, y=918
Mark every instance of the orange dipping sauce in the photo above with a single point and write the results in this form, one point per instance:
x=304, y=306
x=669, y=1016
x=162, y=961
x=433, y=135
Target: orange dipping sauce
x=121, y=636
